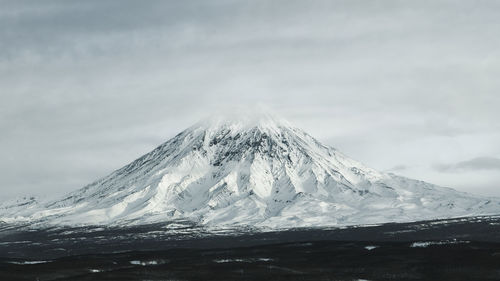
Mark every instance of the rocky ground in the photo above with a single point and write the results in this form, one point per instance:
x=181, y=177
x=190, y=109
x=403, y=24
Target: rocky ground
x=459, y=249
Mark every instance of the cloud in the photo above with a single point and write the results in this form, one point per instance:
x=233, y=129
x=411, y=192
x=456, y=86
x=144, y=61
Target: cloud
x=475, y=164
x=399, y=167
x=386, y=82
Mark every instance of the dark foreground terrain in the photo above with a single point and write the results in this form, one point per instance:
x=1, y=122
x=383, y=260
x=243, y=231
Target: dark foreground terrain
x=459, y=249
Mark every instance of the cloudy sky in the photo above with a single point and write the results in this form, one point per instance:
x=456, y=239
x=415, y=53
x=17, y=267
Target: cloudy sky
x=410, y=87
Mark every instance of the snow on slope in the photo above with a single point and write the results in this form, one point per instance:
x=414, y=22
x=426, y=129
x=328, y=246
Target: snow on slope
x=262, y=173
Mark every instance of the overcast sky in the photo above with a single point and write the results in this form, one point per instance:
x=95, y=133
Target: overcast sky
x=411, y=87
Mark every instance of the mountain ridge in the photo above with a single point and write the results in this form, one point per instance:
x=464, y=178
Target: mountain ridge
x=259, y=172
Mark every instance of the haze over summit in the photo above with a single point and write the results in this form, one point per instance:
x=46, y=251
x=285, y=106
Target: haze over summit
x=89, y=86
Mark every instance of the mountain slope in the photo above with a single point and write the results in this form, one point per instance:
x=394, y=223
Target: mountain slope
x=262, y=173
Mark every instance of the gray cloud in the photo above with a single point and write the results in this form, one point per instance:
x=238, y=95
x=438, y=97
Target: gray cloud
x=88, y=85
x=399, y=167
x=475, y=164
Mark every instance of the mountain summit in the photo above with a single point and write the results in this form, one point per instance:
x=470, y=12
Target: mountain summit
x=259, y=172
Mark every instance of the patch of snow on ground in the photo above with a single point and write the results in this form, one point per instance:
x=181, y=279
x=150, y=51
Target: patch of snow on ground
x=28, y=262
x=242, y=260
x=146, y=263
x=425, y=244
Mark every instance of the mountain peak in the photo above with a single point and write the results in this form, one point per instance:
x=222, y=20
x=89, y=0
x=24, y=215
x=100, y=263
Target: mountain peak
x=253, y=169
x=247, y=120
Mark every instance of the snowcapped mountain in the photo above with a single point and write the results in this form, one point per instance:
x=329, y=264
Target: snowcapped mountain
x=261, y=172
